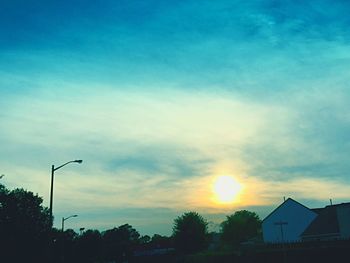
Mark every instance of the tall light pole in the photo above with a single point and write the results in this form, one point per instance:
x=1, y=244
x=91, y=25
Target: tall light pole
x=53, y=169
x=66, y=218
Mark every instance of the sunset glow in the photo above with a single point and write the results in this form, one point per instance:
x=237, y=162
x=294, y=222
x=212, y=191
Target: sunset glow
x=226, y=189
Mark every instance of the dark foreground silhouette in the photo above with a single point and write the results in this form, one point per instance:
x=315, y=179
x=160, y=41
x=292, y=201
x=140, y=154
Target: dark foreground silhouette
x=26, y=235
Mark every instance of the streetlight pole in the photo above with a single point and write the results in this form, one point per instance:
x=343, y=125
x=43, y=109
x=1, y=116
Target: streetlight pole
x=53, y=169
x=64, y=219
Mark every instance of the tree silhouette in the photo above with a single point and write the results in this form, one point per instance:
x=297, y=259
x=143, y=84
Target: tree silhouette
x=24, y=225
x=119, y=242
x=88, y=246
x=240, y=226
x=190, y=232
x=145, y=239
x=159, y=241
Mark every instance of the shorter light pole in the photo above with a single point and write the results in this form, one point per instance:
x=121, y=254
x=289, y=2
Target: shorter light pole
x=81, y=230
x=66, y=218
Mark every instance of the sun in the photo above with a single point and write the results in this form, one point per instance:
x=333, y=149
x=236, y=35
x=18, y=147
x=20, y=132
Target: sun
x=226, y=189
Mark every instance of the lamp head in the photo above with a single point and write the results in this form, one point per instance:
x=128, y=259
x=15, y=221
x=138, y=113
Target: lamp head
x=78, y=161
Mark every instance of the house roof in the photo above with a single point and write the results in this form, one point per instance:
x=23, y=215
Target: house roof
x=288, y=200
x=317, y=210
x=341, y=204
x=325, y=223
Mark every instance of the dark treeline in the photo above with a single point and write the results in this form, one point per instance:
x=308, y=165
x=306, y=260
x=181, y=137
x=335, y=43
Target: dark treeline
x=114, y=245
x=26, y=235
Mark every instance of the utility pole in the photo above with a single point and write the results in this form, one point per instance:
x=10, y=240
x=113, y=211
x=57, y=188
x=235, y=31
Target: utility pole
x=281, y=224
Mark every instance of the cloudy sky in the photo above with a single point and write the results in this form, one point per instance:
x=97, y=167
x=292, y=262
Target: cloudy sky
x=160, y=98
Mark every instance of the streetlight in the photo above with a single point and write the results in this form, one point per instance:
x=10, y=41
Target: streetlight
x=81, y=230
x=66, y=218
x=53, y=169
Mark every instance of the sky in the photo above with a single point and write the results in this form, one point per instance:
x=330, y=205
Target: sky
x=161, y=98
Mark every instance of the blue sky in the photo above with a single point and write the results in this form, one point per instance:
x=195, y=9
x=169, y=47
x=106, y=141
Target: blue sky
x=161, y=97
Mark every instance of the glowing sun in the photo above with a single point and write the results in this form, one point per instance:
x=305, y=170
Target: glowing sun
x=226, y=189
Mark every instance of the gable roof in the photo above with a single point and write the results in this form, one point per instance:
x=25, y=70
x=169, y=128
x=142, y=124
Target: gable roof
x=325, y=223
x=288, y=200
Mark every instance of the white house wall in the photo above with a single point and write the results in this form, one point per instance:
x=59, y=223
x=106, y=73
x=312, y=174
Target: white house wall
x=297, y=217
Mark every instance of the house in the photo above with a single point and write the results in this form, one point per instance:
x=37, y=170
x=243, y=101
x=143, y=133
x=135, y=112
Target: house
x=287, y=222
x=292, y=221
x=332, y=222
